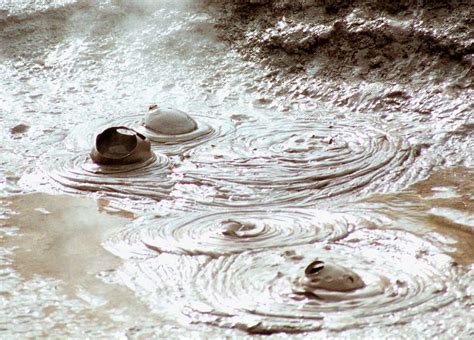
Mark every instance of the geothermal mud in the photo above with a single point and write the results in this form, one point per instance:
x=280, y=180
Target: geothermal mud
x=208, y=128
x=217, y=234
x=297, y=162
x=320, y=186
x=74, y=173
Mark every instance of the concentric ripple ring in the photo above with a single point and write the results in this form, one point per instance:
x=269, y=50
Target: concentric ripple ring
x=224, y=233
x=294, y=162
x=77, y=173
x=260, y=292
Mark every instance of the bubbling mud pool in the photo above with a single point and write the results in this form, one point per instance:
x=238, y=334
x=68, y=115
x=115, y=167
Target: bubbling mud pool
x=285, y=209
x=404, y=280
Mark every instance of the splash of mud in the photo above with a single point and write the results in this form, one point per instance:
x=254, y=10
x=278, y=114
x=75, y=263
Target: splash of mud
x=295, y=163
x=225, y=233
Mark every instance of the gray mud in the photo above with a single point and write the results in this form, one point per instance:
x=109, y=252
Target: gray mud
x=327, y=131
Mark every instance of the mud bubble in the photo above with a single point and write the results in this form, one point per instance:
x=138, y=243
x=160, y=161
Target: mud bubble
x=397, y=277
x=328, y=276
x=170, y=130
x=169, y=121
x=121, y=164
x=120, y=146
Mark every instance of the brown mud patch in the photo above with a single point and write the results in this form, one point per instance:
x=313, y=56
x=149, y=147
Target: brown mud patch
x=443, y=203
x=59, y=237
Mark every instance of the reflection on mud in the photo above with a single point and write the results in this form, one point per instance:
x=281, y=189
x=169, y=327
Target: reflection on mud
x=55, y=272
x=422, y=209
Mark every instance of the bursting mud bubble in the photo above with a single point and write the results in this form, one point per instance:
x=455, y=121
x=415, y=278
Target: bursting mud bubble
x=311, y=174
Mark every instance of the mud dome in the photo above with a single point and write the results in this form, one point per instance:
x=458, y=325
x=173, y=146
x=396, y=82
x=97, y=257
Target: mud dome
x=207, y=130
x=332, y=131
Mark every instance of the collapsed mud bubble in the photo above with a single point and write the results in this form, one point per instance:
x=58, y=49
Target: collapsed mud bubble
x=296, y=162
x=397, y=278
x=67, y=172
x=224, y=233
x=120, y=146
x=170, y=131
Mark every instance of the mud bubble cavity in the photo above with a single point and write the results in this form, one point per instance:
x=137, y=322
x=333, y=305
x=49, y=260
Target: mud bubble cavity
x=224, y=233
x=120, y=146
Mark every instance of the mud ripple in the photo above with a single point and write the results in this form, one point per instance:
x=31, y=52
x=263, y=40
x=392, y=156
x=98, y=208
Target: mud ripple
x=404, y=277
x=77, y=173
x=295, y=162
x=224, y=233
x=207, y=129
x=162, y=280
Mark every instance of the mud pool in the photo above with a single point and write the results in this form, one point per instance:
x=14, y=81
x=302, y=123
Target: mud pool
x=324, y=187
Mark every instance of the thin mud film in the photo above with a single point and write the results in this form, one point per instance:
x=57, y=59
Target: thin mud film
x=203, y=169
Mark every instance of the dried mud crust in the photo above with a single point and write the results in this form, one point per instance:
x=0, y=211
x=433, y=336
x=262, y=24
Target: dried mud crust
x=396, y=42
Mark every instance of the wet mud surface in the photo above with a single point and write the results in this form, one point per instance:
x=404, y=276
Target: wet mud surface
x=310, y=173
